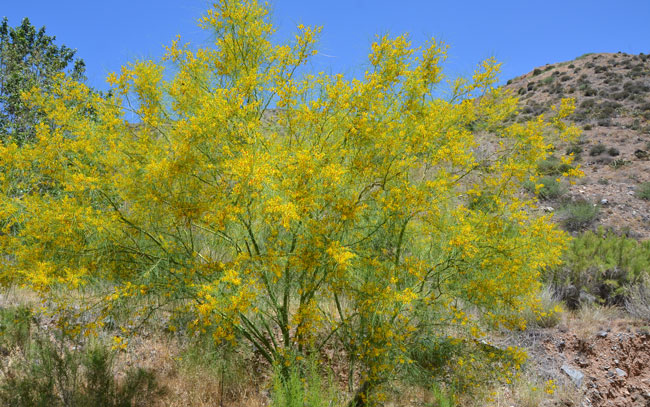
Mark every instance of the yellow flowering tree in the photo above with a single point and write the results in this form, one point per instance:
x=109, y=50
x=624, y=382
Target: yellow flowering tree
x=289, y=209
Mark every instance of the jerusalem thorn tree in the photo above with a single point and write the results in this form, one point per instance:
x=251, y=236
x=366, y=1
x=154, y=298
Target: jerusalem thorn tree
x=289, y=209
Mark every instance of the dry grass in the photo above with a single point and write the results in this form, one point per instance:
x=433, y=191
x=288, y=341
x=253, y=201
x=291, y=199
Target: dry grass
x=588, y=320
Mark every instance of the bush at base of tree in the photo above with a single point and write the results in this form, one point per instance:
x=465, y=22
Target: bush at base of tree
x=48, y=371
x=601, y=264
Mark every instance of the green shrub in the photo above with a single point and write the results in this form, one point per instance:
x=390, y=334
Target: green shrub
x=548, y=80
x=552, y=189
x=302, y=385
x=574, y=149
x=643, y=191
x=15, y=327
x=578, y=215
x=598, y=149
x=52, y=373
x=602, y=264
x=618, y=163
x=553, y=166
x=549, y=311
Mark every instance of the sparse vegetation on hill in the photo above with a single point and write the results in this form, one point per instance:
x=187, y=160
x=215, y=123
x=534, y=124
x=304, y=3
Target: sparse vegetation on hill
x=612, y=95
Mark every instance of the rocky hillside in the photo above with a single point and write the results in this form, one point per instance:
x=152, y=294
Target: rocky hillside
x=612, y=94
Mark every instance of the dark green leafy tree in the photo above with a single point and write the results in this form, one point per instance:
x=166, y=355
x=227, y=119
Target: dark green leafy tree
x=28, y=58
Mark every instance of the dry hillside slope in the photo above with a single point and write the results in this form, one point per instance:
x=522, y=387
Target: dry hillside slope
x=612, y=94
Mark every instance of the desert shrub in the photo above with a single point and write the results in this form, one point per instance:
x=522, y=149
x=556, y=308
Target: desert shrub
x=643, y=191
x=636, y=87
x=15, y=327
x=618, y=163
x=225, y=364
x=588, y=104
x=597, y=149
x=575, y=149
x=602, y=264
x=459, y=366
x=551, y=188
x=590, y=92
x=578, y=215
x=607, y=109
x=303, y=385
x=51, y=372
x=547, y=313
x=537, y=71
x=553, y=165
x=548, y=80
x=337, y=218
x=637, y=302
x=587, y=127
x=613, y=151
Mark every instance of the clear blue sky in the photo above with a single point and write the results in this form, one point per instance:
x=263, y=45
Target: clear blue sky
x=522, y=34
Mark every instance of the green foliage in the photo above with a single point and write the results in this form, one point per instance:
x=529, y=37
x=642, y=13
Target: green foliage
x=53, y=371
x=551, y=189
x=28, y=58
x=597, y=149
x=302, y=385
x=15, y=327
x=230, y=366
x=602, y=264
x=441, y=396
x=643, y=191
x=553, y=165
x=575, y=149
x=578, y=215
x=617, y=163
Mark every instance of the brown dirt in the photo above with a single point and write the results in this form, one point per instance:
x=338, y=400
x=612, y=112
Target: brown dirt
x=614, y=360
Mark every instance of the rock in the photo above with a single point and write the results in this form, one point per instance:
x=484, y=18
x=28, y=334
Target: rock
x=604, y=201
x=575, y=375
x=602, y=334
x=548, y=208
x=581, y=361
x=620, y=372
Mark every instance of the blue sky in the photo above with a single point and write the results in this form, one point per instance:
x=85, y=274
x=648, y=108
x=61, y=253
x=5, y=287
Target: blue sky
x=522, y=34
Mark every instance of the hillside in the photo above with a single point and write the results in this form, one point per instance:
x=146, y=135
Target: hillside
x=612, y=94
